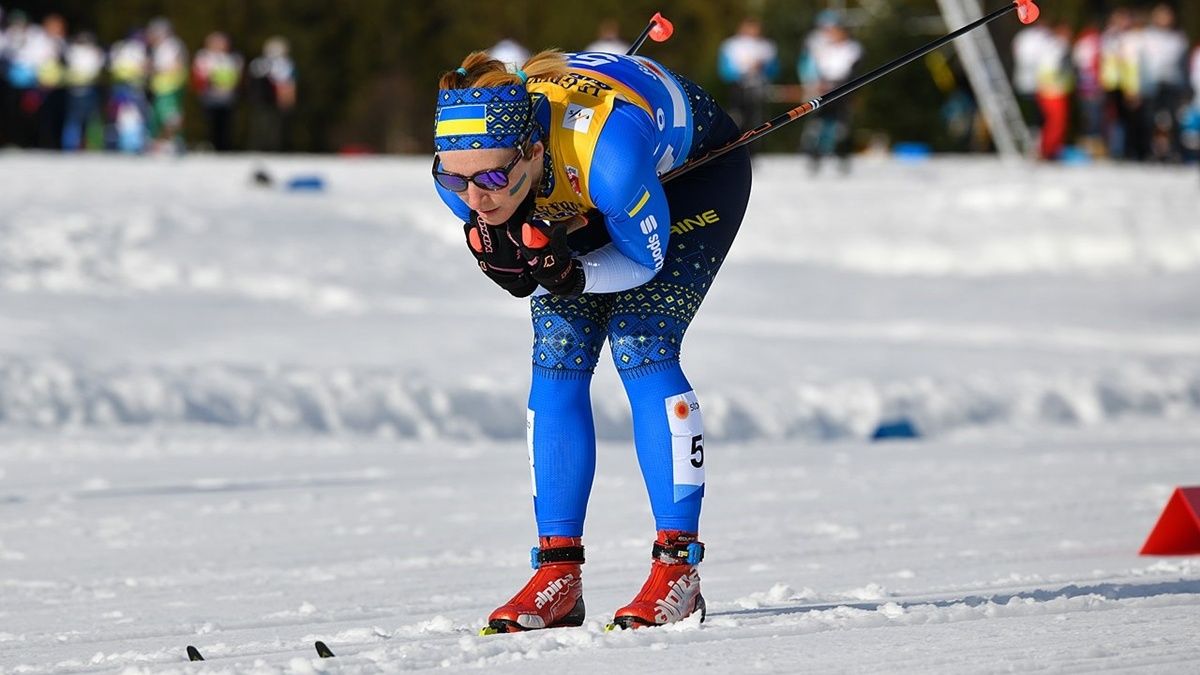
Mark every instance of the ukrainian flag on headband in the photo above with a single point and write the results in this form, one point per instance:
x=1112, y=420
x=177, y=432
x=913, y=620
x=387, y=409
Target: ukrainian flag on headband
x=462, y=120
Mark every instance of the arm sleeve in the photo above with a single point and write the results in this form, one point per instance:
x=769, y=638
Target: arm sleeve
x=453, y=202
x=623, y=184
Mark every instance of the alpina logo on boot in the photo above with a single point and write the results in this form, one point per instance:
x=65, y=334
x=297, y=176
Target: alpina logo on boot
x=680, y=600
x=553, y=589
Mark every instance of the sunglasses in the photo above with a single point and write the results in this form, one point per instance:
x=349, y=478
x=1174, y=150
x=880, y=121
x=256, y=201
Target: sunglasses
x=488, y=179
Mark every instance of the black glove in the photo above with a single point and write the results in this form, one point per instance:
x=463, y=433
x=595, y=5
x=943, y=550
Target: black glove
x=544, y=248
x=499, y=257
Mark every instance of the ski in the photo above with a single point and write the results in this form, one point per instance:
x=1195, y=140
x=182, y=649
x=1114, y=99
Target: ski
x=323, y=651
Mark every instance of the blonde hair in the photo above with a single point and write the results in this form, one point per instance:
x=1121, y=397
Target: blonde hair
x=484, y=71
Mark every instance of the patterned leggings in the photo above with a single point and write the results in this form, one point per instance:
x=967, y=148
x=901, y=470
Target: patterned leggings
x=644, y=327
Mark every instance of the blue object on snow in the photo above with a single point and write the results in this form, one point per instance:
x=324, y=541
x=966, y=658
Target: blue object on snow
x=311, y=183
x=897, y=428
x=1075, y=156
x=912, y=151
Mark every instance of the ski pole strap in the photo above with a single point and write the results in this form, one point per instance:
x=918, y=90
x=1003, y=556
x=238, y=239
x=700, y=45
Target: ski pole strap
x=676, y=554
x=565, y=554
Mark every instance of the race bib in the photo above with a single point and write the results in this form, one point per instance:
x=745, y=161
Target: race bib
x=687, y=443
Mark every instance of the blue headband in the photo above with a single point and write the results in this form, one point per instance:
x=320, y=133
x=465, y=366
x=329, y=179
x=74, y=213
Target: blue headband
x=482, y=117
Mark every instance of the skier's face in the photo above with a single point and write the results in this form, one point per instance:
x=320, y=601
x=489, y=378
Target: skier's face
x=495, y=206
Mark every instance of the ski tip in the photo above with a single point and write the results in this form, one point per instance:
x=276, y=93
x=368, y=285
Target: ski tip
x=194, y=654
x=323, y=650
x=488, y=630
x=611, y=627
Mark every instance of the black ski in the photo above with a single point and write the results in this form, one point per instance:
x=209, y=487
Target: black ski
x=323, y=651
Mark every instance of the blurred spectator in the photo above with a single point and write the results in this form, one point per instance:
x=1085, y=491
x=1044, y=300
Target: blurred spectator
x=3, y=83
x=1133, y=89
x=26, y=47
x=1028, y=47
x=4, y=123
x=1191, y=133
x=1196, y=77
x=168, y=79
x=509, y=51
x=84, y=65
x=216, y=73
x=51, y=47
x=1055, y=82
x=272, y=97
x=129, y=68
x=1165, y=81
x=829, y=59
x=747, y=62
x=960, y=113
x=1089, y=91
x=1113, y=77
x=608, y=38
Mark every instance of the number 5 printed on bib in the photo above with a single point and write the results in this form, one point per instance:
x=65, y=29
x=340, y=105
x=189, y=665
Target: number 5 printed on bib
x=687, y=443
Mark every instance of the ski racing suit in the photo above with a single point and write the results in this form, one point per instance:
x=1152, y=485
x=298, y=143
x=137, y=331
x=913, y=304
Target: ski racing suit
x=650, y=253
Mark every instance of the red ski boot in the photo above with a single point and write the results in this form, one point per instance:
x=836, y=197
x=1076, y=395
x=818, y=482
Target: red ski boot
x=553, y=598
x=672, y=592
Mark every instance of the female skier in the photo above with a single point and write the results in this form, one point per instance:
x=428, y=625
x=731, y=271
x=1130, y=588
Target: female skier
x=554, y=170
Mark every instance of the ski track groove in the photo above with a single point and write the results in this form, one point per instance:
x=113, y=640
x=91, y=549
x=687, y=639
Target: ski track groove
x=919, y=610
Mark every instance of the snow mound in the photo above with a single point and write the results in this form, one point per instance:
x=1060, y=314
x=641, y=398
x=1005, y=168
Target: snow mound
x=54, y=393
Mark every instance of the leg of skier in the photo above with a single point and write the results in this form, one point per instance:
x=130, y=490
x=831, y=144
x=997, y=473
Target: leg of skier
x=568, y=335
x=645, y=333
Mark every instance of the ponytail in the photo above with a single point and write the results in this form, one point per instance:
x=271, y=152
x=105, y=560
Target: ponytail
x=480, y=70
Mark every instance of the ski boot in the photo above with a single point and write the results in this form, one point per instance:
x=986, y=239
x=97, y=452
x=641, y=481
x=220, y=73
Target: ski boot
x=553, y=598
x=672, y=592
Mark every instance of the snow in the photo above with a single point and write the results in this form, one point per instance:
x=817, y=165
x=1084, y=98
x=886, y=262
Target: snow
x=248, y=419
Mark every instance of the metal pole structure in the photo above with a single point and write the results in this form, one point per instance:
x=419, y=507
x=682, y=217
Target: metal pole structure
x=989, y=81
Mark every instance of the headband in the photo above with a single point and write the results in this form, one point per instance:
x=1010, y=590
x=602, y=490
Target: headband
x=482, y=117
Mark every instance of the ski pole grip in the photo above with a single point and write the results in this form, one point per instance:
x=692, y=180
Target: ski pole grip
x=661, y=29
x=1027, y=12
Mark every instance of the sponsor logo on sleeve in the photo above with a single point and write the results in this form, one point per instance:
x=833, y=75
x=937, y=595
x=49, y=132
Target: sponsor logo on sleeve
x=650, y=224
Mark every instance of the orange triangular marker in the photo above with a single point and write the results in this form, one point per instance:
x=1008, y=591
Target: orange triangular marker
x=1178, y=529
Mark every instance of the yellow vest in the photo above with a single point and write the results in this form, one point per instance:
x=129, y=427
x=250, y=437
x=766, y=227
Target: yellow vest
x=580, y=104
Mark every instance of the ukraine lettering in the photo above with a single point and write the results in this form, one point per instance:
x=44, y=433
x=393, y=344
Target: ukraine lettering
x=692, y=222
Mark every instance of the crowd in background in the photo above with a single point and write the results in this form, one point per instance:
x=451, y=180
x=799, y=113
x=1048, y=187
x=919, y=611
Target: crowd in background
x=748, y=63
x=61, y=91
x=1127, y=88
x=1133, y=85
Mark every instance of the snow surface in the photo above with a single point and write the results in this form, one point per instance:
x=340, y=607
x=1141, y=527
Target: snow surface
x=248, y=419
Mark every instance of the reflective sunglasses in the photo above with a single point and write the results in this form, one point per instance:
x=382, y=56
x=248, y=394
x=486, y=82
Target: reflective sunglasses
x=488, y=179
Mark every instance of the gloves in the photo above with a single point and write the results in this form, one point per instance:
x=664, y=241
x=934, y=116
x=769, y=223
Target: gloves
x=499, y=257
x=544, y=248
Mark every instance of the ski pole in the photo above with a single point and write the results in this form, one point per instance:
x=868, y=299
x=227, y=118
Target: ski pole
x=1026, y=10
x=659, y=30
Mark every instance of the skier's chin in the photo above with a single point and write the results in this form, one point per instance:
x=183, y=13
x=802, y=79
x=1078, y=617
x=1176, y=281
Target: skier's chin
x=496, y=216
